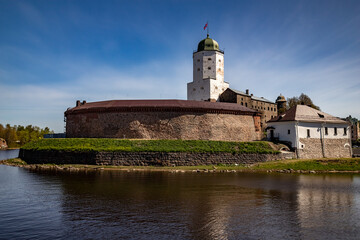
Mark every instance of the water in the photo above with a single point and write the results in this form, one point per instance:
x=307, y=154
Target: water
x=8, y=154
x=163, y=205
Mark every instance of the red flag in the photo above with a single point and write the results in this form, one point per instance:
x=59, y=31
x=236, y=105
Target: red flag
x=205, y=26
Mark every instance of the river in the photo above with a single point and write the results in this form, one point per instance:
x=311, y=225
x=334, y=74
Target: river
x=8, y=154
x=164, y=205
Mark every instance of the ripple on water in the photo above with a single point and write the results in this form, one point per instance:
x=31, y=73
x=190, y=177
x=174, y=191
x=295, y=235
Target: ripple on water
x=153, y=205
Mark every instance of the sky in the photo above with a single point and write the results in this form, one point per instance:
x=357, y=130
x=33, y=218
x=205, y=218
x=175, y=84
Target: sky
x=53, y=53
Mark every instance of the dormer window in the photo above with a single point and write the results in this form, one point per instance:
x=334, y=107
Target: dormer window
x=321, y=115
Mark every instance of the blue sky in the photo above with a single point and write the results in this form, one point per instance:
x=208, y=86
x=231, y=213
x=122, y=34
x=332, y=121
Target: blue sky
x=55, y=52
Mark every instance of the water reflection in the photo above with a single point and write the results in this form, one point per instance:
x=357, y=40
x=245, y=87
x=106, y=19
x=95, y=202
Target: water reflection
x=162, y=205
x=328, y=201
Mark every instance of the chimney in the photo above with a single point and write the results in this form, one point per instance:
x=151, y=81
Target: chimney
x=77, y=103
x=83, y=102
x=252, y=94
x=247, y=91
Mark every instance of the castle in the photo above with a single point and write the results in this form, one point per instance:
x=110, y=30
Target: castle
x=208, y=83
x=208, y=114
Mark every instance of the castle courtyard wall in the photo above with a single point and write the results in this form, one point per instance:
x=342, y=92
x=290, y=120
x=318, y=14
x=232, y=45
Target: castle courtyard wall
x=162, y=125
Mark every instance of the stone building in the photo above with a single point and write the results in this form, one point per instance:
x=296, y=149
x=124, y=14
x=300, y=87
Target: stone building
x=208, y=82
x=163, y=119
x=312, y=133
x=267, y=108
x=208, y=72
x=281, y=104
x=355, y=130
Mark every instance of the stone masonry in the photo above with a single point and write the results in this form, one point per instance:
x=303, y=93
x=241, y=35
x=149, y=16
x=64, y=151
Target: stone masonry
x=333, y=148
x=145, y=158
x=163, y=125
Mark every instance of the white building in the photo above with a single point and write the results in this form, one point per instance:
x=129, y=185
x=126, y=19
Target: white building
x=311, y=133
x=208, y=72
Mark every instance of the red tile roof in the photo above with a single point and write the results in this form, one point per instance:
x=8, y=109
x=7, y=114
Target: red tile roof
x=161, y=105
x=305, y=113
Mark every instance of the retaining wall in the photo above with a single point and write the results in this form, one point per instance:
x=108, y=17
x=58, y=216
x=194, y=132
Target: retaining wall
x=333, y=148
x=145, y=158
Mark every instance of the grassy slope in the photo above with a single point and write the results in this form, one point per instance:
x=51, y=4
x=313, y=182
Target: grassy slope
x=105, y=144
x=340, y=164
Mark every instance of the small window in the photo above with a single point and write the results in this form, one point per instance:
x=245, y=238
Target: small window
x=209, y=68
x=345, y=131
x=242, y=103
x=202, y=88
x=194, y=89
x=209, y=59
x=245, y=104
x=216, y=87
x=274, y=109
x=271, y=109
x=241, y=99
x=268, y=108
x=219, y=60
x=198, y=60
x=198, y=69
x=288, y=131
x=335, y=131
x=219, y=69
x=308, y=133
x=326, y=131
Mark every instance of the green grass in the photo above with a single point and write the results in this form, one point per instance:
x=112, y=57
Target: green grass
x=339, y=164
x=106, y=144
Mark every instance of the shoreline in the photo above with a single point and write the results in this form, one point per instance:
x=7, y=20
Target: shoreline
x=297, y=166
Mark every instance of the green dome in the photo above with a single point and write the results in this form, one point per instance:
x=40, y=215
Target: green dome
x=208, y=44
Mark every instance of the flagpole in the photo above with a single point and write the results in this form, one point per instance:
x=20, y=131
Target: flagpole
x=207, y=22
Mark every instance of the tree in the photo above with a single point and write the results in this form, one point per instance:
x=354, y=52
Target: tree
x=303, y=99
x=17, y=136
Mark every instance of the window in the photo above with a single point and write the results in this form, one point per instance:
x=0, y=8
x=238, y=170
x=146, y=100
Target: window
x=326, y=131
x=198, y=60
x=274, y=109
x=194, y=89
x=242, y=103
x=219, y=60
x=268, y=108
x=202, y=88
x=345, y=131
x=220, y=69
x=308, y=133
x=271, y=109
x=209, y=68
x=209, y=59
x=288, y=131
x=198, y=69
x=245, y=104
x=335, y=131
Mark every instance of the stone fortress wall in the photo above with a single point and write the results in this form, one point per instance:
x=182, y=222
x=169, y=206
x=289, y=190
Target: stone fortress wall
x=163, y=119
x=162, y=125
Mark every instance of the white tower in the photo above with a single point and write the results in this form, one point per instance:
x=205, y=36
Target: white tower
x=208, y=72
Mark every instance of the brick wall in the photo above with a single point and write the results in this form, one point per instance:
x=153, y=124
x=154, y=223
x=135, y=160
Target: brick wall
x=162, y=125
